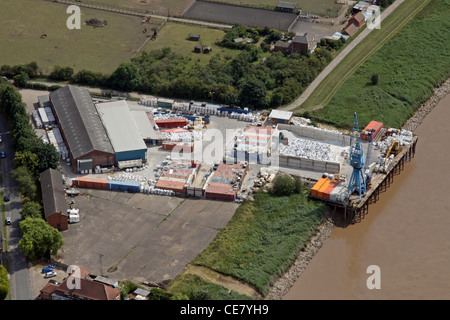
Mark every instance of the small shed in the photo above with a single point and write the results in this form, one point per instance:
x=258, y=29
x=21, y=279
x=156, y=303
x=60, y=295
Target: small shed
x=141, y=292
x=285, y=6
x=280, y=116
x=194, y=37
x=198, y=49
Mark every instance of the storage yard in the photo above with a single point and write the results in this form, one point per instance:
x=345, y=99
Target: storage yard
x=155, y=141
x=261, y=146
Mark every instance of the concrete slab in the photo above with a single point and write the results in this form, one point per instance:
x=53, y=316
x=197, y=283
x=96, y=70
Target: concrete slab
x=146, y=237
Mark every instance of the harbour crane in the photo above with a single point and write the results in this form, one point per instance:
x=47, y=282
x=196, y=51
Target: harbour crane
x=357, y=181
x=355, y=133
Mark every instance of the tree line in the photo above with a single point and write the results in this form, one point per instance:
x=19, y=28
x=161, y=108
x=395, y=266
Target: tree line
x=256, y=77
x=32, y=156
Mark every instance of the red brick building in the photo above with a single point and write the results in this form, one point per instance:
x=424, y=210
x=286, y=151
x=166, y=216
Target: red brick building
x=86, y=288
x=354, y=24
x=81, y=128
x=54, y=199
x=300, y=44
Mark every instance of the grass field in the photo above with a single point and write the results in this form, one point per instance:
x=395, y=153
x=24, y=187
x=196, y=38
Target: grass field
x=96, y=49
x=320, y=7
x=159, y=7
x=176, y=36
x=263, y=238
x=408, y=67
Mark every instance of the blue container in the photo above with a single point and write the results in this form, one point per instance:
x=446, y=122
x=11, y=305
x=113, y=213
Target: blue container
x=234, y=110
x=192, y=118
x=124, y=186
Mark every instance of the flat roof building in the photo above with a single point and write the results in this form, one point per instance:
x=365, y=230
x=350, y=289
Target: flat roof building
x=124, y=134
x=81, y=128
x=280, y=116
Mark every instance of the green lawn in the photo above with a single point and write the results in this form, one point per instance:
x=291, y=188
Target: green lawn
x=263, y=238
x=410, y=66
x=176, y=36
x=96, y=49
x=373, y=42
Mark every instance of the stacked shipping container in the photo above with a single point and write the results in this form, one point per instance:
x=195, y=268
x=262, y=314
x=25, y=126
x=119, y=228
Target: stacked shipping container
x=171, y=123
x=226, y=182
x=105, y=184
x=374, y=127
x=324, y=188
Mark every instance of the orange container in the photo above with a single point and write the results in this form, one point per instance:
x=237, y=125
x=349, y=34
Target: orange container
x=323, y=188
x=327, y=192
x=316, y=187
x=92, y=183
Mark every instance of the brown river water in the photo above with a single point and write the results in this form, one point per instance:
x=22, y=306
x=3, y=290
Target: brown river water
x=406, y=233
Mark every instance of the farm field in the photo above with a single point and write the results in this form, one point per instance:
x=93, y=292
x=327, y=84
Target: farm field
x=320, y=7
x=97, y=49
x=176, y=36
x=157, y=7
x=406, y=79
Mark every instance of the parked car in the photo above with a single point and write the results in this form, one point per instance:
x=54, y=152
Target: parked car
x=8, y=221
x=50, y=274
x=48, y=269
x=54, y=282
x=6, y=198
x=2, y=154
x=1, y=139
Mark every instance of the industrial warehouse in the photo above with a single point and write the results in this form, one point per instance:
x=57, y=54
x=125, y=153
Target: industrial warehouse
x=131, y=147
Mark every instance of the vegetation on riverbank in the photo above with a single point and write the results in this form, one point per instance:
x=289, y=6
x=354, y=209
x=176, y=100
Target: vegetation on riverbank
x=263, y=238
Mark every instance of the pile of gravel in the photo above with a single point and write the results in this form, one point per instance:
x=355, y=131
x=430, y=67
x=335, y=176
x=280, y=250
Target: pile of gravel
x=96, y=23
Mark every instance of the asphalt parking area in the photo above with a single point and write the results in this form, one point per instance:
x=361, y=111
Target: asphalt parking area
x=141, y=237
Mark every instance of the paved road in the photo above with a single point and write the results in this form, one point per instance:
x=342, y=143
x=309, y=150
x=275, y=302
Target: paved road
x=310, y=89
x=19, y=278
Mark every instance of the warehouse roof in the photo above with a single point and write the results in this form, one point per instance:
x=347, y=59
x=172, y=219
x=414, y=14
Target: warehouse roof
x=120, y=126
x=53, y=196
x=279, y=114
x=145, y=126
x=79, y=121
